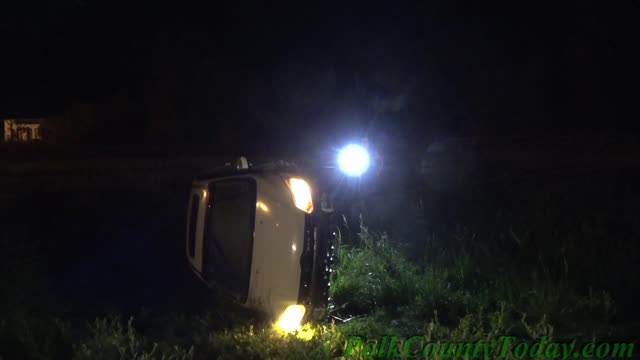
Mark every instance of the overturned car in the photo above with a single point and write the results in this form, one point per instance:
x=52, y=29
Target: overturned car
x=265, y=236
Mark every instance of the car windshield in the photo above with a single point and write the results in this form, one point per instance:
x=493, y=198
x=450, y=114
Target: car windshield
x=229, y=234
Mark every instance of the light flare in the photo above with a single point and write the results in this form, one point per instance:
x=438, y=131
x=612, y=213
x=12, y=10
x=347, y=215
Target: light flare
x=291, y=318
x=353, y=160
x=262, y=206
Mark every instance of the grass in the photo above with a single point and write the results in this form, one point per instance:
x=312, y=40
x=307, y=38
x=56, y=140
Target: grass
x=525, y=269
x=375, y=286
x=376, y=276
x=110, y=338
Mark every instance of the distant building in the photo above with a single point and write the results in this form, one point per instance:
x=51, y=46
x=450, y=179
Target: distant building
x=23, y=130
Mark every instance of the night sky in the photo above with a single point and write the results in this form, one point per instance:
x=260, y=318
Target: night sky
x=198, y=72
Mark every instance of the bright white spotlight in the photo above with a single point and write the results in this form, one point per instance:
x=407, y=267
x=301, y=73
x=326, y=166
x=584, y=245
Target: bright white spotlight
x=353, y=160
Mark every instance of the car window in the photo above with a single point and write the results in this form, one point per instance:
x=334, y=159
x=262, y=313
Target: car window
x=229, y=233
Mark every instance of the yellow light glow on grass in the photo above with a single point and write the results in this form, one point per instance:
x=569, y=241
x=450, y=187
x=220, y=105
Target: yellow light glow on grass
x=291, y=317
x=306, y=332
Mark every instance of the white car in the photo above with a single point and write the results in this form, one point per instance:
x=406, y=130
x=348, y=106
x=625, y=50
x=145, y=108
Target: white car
x=264, y=236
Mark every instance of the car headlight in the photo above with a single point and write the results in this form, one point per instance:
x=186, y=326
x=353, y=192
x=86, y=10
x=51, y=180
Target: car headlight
x=291, y=317
x=301, y=192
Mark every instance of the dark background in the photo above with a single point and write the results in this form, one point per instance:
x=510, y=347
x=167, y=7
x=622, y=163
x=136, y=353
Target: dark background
x=234, y=76
x=548, y=89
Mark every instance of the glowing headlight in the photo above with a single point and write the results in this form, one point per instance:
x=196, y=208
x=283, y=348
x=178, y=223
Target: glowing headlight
x=301, y=194
x=291, y=317
x=353, y=160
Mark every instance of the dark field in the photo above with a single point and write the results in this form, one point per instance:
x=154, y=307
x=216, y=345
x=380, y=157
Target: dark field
x=78, y=245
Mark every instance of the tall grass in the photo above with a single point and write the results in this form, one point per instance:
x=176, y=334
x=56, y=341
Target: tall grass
x=375, y=275
x=463, y=293
x=110, y=338
x=529, y=264
x=375, y=286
